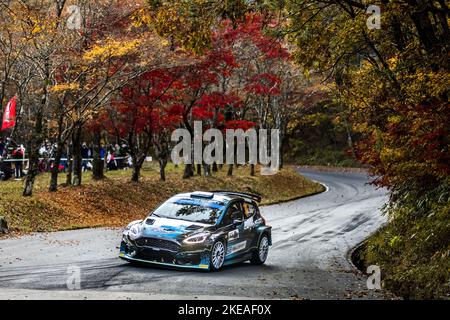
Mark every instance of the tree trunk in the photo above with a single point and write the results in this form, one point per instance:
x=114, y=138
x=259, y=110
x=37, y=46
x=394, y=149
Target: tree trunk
x=188, y=171
x=33, y=168
x=136, y=173
x=230, y=170
x=280, y=165
x=77, y=156
x=162, y=150
x=207, y=170
x=37, y=138
x=199, y=169
x=252, y=170
x=137, y=166
x=162, y=169
x=421, y=19
x=97, y=163
x=189, y=167
x=349, y=138
x=55, y=170
x=35, y=143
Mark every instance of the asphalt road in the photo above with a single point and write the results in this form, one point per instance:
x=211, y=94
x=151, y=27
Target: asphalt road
x=308, y=259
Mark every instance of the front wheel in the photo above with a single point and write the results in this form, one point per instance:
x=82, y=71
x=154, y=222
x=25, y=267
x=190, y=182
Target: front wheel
x=261, y=253
x=217, y=255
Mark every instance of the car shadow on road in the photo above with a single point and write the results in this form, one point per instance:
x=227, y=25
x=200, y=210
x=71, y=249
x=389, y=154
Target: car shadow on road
x=238, y=267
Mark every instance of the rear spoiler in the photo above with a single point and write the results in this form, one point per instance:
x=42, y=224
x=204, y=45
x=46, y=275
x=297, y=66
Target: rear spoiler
x=255, y=197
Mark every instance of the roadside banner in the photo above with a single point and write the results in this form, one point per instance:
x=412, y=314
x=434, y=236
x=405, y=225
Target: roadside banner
x=9, y=117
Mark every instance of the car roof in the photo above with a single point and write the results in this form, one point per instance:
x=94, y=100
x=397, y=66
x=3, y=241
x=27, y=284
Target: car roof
x=219, y=196
x=215, y=197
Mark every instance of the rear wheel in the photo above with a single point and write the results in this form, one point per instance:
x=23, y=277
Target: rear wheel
x=217, y=256
x=261, y=253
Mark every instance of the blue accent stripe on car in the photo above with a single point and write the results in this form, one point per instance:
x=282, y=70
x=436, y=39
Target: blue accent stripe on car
x=201, y=266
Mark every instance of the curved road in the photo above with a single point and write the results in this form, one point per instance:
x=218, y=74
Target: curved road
x=308, y=259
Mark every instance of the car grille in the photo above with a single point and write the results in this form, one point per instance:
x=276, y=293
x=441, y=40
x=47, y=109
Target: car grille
x=158, y=243
x=158, y=256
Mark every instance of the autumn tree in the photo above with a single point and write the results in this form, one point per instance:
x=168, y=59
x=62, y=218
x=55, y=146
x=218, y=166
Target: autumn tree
x=36, y=25
x=262, y=77
x=377, y=73
x=139, y=116
x=113, y=48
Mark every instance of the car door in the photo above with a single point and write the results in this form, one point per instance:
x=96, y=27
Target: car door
x=236, y=239
x=250, y=234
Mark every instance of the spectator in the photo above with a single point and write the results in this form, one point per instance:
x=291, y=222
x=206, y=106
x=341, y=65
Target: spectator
x=2, y=147
x=9, y=147
x=112, y=163
x=118, y=154
x=64, y=160
x=117, y=150
x=86, y=154
x=102, y=153
x=124, y=153
x=44, y=154
x=18, y=156
x=129, y=161
x=43, y=150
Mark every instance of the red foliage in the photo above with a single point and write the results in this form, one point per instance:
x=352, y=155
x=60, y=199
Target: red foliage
x=164, y=98
x=144, y=105
x=264, y=84
x=240, y=124
x=419, y=138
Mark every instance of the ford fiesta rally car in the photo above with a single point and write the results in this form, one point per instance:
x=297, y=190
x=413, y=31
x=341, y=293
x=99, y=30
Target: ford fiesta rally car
x=202, y=230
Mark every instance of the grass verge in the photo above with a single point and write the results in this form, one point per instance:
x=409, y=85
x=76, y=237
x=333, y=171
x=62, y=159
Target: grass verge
x=115, y=201
x=413, y=253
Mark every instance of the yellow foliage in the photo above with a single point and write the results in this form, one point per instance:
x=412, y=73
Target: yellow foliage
x=390, y=154
x=394, y=119
x=65, y=87
x=111, y=49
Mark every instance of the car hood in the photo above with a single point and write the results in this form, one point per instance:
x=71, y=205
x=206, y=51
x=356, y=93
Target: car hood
x=156, y=227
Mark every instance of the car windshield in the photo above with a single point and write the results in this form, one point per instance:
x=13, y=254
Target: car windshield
x=193, y=210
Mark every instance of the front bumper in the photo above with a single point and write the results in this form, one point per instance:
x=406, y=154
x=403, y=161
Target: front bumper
x=193, y=257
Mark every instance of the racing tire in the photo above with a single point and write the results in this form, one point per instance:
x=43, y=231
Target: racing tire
x=260, y=254
x=217, y=256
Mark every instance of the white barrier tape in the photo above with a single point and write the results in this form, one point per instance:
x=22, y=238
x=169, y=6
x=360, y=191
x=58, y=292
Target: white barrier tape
x=62, y=159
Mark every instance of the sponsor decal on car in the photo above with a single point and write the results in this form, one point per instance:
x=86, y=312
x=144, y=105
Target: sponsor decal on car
x=233, y=235
x=237, y=247
x=258, y=221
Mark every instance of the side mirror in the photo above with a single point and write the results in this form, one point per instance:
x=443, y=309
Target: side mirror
x=237, y=222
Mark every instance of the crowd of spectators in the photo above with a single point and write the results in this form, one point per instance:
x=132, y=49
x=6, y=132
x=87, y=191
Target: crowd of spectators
x=13, y=161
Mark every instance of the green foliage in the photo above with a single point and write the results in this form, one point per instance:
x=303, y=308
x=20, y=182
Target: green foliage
x=321, y=135
x=304, y=153
x=413, y=250
x=394, y=83
x=189, y=23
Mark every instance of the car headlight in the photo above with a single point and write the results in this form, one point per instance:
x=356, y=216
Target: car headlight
x=197, y=238
x=134, y=232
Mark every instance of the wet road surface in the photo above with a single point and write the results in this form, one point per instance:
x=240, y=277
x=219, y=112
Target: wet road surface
x=308, y=259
